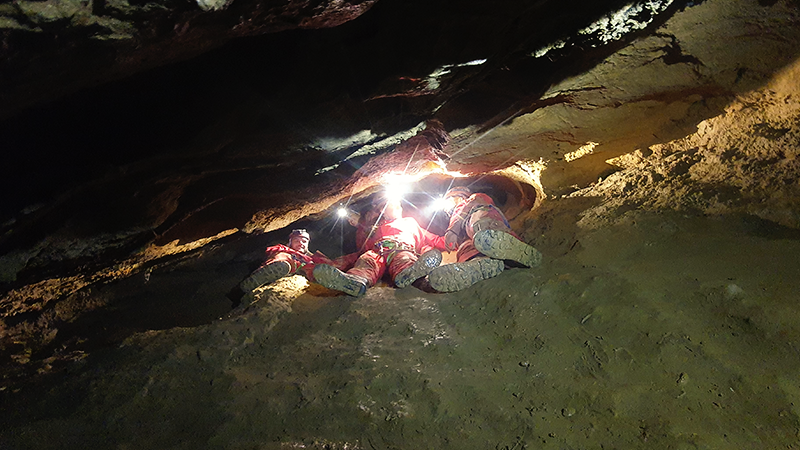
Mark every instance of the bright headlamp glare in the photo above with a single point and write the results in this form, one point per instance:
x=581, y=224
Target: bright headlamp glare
x=394, y=192
x=439, y=204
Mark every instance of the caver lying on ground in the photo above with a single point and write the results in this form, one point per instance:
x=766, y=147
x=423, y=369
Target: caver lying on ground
x=483, y=238
x=285, y=260
x=397, y=244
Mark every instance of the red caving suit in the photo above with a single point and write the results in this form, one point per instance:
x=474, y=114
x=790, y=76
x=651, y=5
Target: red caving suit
x=300, y=262
x=394, y=245
x=477, y=213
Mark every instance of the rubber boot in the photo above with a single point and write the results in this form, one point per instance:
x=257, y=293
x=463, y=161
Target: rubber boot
x=333, y=278
x=265, y=274
x=458, y=276
x=500, y=245
x=423, y=266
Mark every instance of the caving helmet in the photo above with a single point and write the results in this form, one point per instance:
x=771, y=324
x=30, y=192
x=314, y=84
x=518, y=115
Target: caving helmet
x=458, y=191
x=458, y=194
x=299, y=232
x=298, y=240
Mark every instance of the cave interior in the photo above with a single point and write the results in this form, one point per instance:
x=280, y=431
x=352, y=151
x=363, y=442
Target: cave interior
x=153, y=149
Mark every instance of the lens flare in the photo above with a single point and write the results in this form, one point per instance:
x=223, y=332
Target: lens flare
x=397, y=185
x=438, y=204
x=396, y=192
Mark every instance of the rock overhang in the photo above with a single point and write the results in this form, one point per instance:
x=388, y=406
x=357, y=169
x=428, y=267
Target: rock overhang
x=543, y=101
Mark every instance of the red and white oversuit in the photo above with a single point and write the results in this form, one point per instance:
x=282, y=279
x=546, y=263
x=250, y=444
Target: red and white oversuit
x=303, y=263
x=475, y=214
x=394, y=246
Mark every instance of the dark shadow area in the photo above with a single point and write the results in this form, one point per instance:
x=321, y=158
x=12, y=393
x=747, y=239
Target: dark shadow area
x=767, y=229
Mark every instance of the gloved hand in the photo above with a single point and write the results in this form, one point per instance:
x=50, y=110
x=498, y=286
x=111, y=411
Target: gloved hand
x=450, y=240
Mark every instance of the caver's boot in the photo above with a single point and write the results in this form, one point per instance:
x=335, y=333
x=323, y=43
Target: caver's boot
x=333, y=278
x=458, y=276
x=500, y=245
x=265, y=274
x=423, y=266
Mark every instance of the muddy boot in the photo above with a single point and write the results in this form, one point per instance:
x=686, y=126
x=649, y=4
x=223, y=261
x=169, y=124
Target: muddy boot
x=500, y=245
x=265, y=274
x=333, y=278
x=423, y=266
x=458, y=276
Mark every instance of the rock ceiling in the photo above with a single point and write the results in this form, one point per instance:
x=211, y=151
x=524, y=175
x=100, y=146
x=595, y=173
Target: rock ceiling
x=135, y=130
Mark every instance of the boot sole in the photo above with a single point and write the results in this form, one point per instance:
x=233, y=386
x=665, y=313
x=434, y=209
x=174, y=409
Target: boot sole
x=423, y=266
x=333, y=278
x=458, y=276
x=265, y=275
x=499, y=245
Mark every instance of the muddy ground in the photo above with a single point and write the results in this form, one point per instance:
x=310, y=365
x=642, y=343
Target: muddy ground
x=658, y=331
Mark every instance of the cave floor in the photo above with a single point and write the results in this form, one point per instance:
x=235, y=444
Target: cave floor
x=660, y=331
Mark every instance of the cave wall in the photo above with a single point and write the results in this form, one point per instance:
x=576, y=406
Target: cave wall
x=743, y=161
x=652, y=91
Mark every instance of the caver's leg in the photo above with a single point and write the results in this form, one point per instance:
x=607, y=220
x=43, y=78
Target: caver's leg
x=501, y=245
x=461, y=275
x=405, y=268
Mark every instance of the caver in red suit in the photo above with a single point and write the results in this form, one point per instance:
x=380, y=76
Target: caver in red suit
x=472, y=213
x=285, y=260
x=484, y=241
x=395, y=246
x=299, y=262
